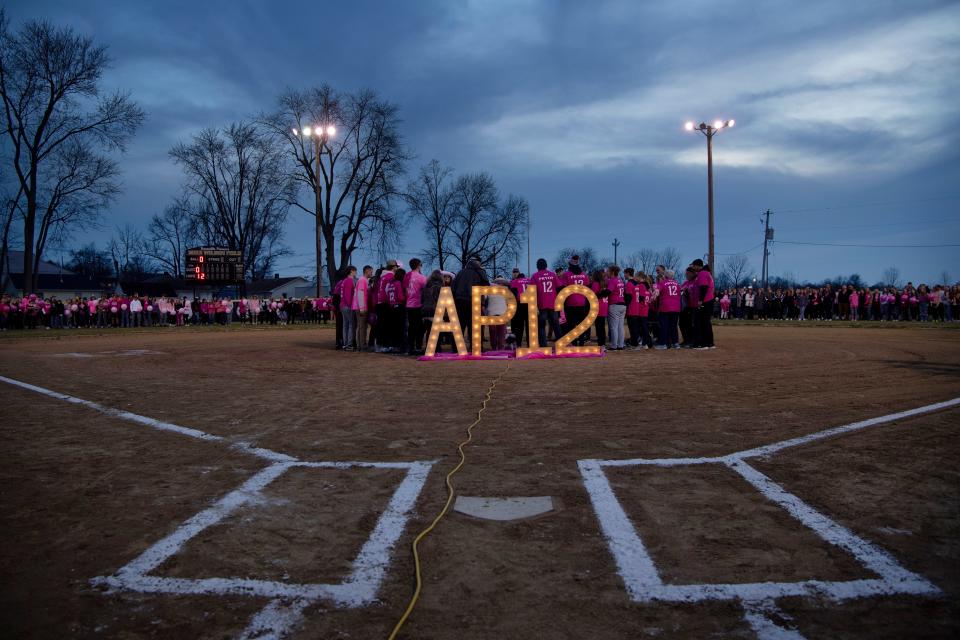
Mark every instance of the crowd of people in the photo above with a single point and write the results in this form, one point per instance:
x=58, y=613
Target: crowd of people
x=121, y=311
x=939, y=303
x=391, y=309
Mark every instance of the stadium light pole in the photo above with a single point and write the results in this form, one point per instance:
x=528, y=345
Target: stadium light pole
x=709, y=131
x=319, y=135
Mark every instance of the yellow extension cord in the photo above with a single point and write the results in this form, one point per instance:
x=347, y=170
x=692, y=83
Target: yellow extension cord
x=446, y=507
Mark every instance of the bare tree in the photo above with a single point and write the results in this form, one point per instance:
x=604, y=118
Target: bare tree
x=11, y=207
x=353, y=173
x=431, y=201
x=945, y=277
x=242, y=188
x=128, y=253
x=891, y=277
x=482, y=225
x=589, y=260
x=736, y=271
x=90, y=261
x=669, y=258
x=171, y=236
x=643, y=260
x=57, y=122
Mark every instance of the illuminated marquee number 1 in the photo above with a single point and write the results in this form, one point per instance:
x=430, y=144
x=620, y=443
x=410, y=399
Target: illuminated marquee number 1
x=529, y=297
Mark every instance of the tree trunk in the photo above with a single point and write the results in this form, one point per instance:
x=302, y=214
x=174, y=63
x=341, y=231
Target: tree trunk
x=29, y=284
x=331, y=260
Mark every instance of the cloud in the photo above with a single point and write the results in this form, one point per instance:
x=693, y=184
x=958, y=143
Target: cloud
x=887, y=92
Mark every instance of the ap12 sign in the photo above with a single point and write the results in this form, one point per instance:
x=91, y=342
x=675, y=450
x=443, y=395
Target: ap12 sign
x=445, y=320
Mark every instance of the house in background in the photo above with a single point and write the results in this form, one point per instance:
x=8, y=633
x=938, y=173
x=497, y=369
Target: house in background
x=277, y=287
x=53, y=280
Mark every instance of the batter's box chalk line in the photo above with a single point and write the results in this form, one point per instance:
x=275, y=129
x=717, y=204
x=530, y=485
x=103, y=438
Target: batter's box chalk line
x=643, y=582
x=287, y=601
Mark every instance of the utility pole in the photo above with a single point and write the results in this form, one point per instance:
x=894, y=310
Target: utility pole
x=767, y=237
x=528, y=243
x=616, y=244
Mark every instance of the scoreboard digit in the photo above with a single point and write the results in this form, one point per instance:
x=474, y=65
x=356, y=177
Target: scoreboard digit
x=214, y=265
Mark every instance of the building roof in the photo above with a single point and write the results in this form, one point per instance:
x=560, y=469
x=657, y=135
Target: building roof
x=269, y=285
x=67, y=282
x=16, y=265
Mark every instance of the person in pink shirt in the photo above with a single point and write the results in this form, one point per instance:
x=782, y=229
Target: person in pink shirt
x=669, y=310
x=361, y=306
x=347, y=314
x=547, y=284
x=518, y=324
x=638, y=309
x=618, y=307
x=703, y=314
x=854, y=304
x=575, y=306
x=598, y=282
x=382, y=308
x=396, y=316
x=413, y=284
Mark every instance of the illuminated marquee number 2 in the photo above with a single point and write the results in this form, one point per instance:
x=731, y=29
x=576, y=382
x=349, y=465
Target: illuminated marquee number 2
x=563, y=344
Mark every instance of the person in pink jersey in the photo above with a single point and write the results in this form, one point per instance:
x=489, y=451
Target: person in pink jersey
x=361, y=305
x=518, y=324
x=703, y=315
x=413, y=284
x=638, y=301
x=618, y=307
x=547, y=284
x=348, y=316
x=575, y=306
x=396, y=316
x=598, y=282
x=382, y=308
x=854, y=304
x=668, y=300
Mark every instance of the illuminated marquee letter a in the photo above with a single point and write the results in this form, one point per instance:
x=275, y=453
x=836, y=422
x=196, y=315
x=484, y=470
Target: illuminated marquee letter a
x=445, y=307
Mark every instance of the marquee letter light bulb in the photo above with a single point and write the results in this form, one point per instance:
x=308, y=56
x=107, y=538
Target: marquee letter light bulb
x=480, y=320
x=445, y=306
x=562, y=347
x=529, y=298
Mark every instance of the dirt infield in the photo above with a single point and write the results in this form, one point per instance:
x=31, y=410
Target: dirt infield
x=86, y=493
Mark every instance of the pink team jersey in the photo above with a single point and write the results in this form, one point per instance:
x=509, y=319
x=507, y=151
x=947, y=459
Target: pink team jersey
x=547, y=284
x=519, y=285
x=346, y=293
x=638, y=302
x=413, y=284
x=617, y=290
x=394, y=293
x=568, y=278
x=705, y=279
x=385, y=278
x=693, y=293
x=669, y=296
x=604, y=302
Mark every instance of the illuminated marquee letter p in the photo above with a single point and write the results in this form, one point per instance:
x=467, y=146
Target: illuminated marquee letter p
x=480, y=320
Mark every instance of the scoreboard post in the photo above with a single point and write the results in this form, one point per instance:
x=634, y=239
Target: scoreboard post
x=214, y=265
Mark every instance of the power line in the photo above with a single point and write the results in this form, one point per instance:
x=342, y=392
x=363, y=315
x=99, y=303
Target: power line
x=873, y=246
x=870, y=204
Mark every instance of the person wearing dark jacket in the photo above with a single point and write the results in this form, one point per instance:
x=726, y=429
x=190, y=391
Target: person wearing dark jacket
x=470, y=276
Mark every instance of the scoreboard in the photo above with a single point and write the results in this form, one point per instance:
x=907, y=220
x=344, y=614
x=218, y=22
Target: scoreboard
x=214, y=265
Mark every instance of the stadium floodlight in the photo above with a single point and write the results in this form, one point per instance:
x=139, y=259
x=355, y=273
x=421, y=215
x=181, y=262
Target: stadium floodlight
x=709, y=131
x=320, y=134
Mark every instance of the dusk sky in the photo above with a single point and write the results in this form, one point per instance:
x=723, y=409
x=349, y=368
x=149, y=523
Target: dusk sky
x=847, y=113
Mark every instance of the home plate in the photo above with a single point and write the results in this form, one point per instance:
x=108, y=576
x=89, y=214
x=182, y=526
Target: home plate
x=504, y=509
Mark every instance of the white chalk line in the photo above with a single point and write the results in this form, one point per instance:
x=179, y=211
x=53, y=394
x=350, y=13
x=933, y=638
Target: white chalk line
x=288, y=601
x=643, y=582
x=757, y=615
x=784, y=444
